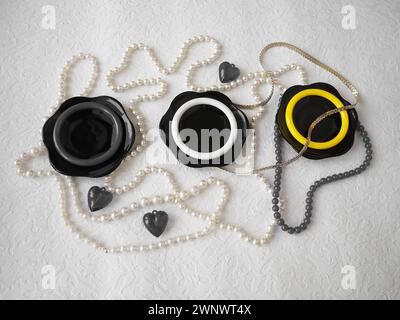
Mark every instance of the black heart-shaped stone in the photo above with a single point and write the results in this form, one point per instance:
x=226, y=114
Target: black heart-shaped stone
x=98, y=198
x=155, y=222
x=228, y=72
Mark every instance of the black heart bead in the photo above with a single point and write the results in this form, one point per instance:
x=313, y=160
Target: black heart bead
x=155, y=222
x=228, y=72
x=98, y=198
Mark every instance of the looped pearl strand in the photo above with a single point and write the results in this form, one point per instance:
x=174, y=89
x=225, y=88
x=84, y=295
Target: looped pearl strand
x=261, y=77
x=178, y=196
x=40, y=149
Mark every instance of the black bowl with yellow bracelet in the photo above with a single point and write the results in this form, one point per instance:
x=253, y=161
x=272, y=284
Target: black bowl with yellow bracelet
x=301, y=105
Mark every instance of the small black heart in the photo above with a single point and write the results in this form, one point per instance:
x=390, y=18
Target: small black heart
x=98, y=198
x=228, y=72
x=155, y=222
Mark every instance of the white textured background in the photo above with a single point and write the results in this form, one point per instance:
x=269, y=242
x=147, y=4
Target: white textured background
x=356, y=222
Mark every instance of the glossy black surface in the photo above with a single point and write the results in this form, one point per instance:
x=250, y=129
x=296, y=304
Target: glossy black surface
x=228, y=72
x=306, y=111
x=88, y=136
x=200, y=117
x=98, y=198
x=156, y=222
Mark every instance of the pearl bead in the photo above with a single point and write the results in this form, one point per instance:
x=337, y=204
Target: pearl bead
x=134, y=206
x=183, y=195
x=211, y=180
x=169, y=198
x=194, y=190
x=157, y=200
x=144, y=202
x=131, y=184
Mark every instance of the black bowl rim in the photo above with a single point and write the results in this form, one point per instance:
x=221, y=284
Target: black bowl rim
x=66, y=168
x=177, y=102
x=116, y=139
x=316, y=154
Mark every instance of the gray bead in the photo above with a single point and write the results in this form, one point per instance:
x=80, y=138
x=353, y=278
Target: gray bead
x=275, y=208
x=284, y=227
x=277, y=215
x=275, y=200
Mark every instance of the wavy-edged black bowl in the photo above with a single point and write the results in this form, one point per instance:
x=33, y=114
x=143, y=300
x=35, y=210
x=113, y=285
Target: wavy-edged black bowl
x=306, y=111
x=204, y=116
x=88, y=137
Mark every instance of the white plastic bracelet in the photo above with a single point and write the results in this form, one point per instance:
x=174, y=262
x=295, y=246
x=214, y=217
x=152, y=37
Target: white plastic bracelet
x=204, y=155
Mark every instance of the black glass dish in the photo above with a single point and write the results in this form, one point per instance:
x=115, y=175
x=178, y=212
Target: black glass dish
x=200, y=117
x=306, y=111
x=88, y=137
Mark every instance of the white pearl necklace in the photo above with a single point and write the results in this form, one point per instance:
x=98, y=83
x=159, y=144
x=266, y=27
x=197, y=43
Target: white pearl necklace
x=178, y=196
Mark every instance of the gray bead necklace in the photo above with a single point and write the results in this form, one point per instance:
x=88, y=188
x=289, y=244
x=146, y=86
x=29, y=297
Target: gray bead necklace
x=318, y=183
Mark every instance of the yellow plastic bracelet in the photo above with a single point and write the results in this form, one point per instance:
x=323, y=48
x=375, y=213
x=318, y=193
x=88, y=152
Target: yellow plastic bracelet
x=298, y=136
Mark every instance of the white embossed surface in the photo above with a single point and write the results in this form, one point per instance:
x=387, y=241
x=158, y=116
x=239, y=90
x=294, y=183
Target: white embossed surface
x=356, y=222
